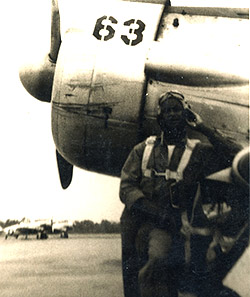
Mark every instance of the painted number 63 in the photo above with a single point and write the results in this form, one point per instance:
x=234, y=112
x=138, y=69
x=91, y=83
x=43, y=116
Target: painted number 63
x=104, y=30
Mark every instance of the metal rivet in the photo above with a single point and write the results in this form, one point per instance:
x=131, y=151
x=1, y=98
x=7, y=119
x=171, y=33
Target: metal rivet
x=176, y=22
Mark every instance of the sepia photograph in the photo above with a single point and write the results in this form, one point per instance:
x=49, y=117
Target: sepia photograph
x=125, y=148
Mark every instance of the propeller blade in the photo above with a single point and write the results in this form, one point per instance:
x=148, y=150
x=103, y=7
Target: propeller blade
x=65, y=170
x=223, y=176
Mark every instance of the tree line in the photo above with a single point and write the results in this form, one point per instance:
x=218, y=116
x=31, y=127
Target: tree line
x=88, y=226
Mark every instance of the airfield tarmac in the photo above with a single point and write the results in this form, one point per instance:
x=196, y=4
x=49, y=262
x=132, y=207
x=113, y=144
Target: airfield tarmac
x=82, y=266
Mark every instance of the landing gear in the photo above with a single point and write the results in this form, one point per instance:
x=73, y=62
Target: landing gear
x=11, y=234
x=64, y=234
x=42, y=235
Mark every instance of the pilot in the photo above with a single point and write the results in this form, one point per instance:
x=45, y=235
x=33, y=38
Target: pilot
x=159, y=184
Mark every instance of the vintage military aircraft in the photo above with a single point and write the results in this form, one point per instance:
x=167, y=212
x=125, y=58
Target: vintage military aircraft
x=27, y=227
x=110, y=60
x=41, y=228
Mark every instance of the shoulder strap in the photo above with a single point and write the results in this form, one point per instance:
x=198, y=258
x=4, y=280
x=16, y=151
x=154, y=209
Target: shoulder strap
x=150, y=141
x=191, y=143
x=178, y=175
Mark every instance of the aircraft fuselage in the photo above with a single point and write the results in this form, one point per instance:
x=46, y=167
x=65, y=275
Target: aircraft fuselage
x=110, y=61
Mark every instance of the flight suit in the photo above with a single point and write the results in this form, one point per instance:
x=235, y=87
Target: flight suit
x=146, y=238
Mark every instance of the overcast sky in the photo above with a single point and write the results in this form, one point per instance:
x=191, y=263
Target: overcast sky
x=29, y=180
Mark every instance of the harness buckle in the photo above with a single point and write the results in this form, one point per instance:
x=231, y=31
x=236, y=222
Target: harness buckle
x=168, y=174
x=172, y=175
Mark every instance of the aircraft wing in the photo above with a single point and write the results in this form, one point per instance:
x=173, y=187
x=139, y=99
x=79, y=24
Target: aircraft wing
x=62, y=225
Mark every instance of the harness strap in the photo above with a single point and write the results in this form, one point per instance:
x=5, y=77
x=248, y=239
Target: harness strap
x=150, y=141
x=191, y=143
x=169, y=174
x=187, y=229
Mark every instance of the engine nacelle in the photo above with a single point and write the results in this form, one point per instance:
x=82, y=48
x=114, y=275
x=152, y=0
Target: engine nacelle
x=37, y=78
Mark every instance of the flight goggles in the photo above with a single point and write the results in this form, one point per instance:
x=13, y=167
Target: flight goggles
x=173, y=94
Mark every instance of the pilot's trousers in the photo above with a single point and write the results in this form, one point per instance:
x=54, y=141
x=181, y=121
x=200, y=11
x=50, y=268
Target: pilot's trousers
x=158, y=277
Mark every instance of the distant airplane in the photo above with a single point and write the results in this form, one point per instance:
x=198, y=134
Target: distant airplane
x=39, y=227
x=27, y=227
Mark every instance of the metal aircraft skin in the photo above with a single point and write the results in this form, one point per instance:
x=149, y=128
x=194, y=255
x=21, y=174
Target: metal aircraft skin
x=41, y=228
x=110, y=61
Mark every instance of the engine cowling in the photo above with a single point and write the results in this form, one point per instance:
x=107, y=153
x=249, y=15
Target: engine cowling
x=37, y=78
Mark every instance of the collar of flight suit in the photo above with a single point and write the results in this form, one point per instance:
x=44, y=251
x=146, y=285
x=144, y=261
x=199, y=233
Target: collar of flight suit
x=180, y=143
